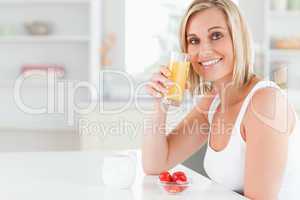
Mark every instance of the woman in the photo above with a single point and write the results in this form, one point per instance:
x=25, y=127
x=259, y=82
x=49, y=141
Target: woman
x=248, y=124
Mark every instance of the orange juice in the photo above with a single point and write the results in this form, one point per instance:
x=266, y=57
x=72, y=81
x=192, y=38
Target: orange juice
x=179, y=73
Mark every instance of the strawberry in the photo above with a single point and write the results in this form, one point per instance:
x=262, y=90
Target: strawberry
x=165, y=177
x=179, y=177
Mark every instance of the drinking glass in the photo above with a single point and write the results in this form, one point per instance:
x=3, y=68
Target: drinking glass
x=179, y=68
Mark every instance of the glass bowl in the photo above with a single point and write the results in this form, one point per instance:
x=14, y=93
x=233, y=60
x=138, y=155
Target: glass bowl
x=174, y=188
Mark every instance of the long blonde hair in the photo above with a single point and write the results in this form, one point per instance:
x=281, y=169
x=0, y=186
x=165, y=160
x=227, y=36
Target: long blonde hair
x=241, y=41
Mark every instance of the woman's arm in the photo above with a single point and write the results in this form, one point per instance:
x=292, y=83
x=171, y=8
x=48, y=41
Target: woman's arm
x=161, y=152
x=268, y=122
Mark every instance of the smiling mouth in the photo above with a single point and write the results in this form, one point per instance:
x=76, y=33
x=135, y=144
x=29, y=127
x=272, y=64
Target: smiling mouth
x=210, y=63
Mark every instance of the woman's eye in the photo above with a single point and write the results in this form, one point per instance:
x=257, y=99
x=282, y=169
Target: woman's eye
x=216, y=35
x=193, y=41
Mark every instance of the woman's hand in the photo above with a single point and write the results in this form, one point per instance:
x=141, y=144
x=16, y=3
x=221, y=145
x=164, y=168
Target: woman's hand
x=159, y=83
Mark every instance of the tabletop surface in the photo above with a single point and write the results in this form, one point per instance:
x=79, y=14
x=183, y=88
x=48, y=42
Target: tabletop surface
x=76, y=175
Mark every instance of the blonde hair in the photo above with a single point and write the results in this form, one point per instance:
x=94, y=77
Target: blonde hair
x=241, y=41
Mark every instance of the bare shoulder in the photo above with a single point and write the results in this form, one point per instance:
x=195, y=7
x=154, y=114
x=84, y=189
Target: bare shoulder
x=269, y=109
x=268, y=123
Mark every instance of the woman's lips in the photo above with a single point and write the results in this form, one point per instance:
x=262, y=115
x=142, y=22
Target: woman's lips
x=210, y=63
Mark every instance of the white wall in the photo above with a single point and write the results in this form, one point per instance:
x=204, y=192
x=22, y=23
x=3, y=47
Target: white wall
x=254, y=12
x=114, y=15
x=114, y=21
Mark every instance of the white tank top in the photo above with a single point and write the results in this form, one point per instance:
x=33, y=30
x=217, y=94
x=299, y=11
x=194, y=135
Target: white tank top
x=227, y=166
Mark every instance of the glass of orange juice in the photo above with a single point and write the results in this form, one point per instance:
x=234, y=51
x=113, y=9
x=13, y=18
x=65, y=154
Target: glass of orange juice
x=179, y=68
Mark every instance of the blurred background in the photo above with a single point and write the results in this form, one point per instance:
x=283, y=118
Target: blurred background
x=69, y=68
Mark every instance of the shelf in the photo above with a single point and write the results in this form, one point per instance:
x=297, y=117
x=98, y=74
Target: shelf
x=285, y=52
x=42, y=83
x=8, y=2
x=284, y=14
x=39, y=39
x=38, y=83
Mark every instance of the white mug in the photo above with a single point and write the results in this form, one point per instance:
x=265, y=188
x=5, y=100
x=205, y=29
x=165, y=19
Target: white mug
x=119, y=170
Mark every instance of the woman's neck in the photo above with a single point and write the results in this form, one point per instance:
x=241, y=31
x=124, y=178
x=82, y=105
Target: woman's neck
x=229, y=94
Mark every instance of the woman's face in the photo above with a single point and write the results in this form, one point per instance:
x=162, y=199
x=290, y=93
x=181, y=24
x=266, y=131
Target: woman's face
x=210, y=45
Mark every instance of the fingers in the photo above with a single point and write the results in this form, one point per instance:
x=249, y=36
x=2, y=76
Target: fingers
x=154, y=90
x=158, y=77
x=159, y=83
x=165, y=71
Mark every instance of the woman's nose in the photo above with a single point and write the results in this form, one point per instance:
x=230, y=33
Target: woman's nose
x=205, y=50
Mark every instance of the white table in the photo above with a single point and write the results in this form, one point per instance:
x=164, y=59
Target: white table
x=77, y=176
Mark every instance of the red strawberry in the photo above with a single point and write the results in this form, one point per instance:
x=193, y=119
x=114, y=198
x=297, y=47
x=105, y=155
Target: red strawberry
x=165, y=177
x=179, y=177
